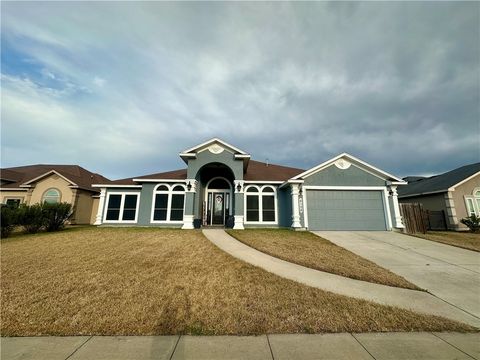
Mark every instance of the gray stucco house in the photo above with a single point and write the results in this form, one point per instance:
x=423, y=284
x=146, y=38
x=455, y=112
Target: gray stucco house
x=222, y=186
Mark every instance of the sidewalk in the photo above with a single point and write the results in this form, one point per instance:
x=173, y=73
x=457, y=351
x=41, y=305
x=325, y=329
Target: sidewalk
x=418, y=301
x=377, y=346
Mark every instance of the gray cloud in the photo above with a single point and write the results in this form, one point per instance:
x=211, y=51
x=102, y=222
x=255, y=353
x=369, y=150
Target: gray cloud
x=396, y=84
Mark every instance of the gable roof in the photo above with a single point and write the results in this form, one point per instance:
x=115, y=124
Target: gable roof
x=207, y=143
x=22, y=176
x=354, y=160
x=440, y=183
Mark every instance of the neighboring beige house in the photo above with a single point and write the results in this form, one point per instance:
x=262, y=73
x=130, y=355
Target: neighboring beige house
x=456, y=192
x=52, y=183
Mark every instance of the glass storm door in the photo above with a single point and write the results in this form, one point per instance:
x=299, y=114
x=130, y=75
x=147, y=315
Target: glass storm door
x=218, y=217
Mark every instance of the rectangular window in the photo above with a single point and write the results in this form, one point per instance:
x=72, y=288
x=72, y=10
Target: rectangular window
x=268, y=208
x=161, y=205
x=113, y=210
x=122, y=207
x=470, y=207
x=176, y=210
x=13, y=203
x=252, y=208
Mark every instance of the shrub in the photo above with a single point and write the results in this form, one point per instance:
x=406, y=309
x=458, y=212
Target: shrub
x=31, y=217
x=472, y=222
x=8, y=219
x=56, y=215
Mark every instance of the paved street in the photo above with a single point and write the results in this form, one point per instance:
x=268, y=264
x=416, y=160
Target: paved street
x=378, y=346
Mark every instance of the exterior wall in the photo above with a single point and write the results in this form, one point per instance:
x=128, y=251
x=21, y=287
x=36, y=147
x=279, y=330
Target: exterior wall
x=353, y=176
x=95, y=204
x=206, y=157
x=459, y=199
x=284, y=201
x=52, y=181
x=83, y=208
x=22, y=195
x=433, y=202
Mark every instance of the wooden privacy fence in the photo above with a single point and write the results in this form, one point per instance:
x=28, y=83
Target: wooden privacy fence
x=418, y=220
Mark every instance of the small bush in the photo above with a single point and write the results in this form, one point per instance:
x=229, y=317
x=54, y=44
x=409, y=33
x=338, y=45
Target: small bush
x=472, y=222
x=56, y=215
x=8, y=219
x=31, y=217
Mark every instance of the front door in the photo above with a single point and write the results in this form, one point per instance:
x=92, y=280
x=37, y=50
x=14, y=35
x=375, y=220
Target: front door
x=218, y=211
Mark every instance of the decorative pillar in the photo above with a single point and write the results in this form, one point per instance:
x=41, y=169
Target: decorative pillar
x=101, y=205
x=396, y=209
x=295, y=209
x=189, y=216
x=239, y=198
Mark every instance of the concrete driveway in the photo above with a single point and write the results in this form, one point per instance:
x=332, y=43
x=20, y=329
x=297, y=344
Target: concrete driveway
x=450, y=273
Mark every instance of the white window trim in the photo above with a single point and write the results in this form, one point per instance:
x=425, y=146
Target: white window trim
x=169, y=193
x=57, y=190
x=476, y=208
x=260, y=193
x=6, y=198
x=122, y=203
x=386, y=205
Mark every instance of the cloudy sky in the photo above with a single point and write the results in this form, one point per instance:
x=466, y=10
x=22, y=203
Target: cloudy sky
x=121, y=88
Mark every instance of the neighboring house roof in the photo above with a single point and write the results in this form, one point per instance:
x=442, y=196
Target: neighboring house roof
x=22, y=176
x=439, y=183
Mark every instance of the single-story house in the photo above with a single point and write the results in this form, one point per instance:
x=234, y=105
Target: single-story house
x=222, y=186
x=456, y=192
x=53, y=183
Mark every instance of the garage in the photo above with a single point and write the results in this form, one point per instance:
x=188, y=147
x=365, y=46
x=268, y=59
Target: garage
x=345, y=210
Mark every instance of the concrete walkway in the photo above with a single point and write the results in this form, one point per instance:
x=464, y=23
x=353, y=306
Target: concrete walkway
x=366, y=346
x=408, y=299
x=448, y=272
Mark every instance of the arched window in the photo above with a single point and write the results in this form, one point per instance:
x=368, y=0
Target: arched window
x=51, y=196
x=261, y=204
x=168, y=203
x=473, y=203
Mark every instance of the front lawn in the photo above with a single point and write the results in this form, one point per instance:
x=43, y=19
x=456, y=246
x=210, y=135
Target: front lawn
x=307, y=249
x=466, y=240
x=142, y=281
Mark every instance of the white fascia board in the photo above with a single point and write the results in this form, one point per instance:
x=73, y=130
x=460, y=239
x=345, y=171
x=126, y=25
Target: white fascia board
x=49, y=173
x=262, y=182
x=212, y=141
x=188, y=155
x=25, y=186
x=13, y=189
x=161, y=180
x=353, y=159
x=292, y=181
x=315, y=187
x=399, y=183
x=424, y=193
x=452, y=188
x=242, y=156
x=115, y=186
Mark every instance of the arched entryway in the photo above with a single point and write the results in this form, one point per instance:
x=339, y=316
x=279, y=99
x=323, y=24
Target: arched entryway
x=218, y=202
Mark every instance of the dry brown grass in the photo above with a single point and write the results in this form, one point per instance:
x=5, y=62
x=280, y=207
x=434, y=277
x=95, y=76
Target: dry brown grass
x=307, y=249
x=119, y=281
x=465, y=240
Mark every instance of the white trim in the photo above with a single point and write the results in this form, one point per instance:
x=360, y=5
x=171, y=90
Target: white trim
x=185, y=152
x=13, y=189
x=472, y=198
x=188, y=155
x=169, y=194
x=122, y=203
x=452, y=188
x=242, y=156
x=52, y=188
x=161, y=180
x=115, y=186
x=351, y=158
x=386, y=208
x=48, y=173
x=212, y=191
x=262, y=182
x=315, y=187
x=101, y=207
x=260, y=194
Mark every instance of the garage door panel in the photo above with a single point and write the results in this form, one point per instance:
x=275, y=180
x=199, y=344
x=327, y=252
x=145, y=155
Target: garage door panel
x=345, y=210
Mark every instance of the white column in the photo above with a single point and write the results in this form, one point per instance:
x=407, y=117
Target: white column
x=295, y=208
x=101, y=204
x=396, y=208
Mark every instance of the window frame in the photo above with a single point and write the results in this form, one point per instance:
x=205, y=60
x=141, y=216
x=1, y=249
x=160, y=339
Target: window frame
x=260, y=194
x=20, y=200
x=169, y=194
x=122, y=205
x=475, y=203
x=59, y=195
